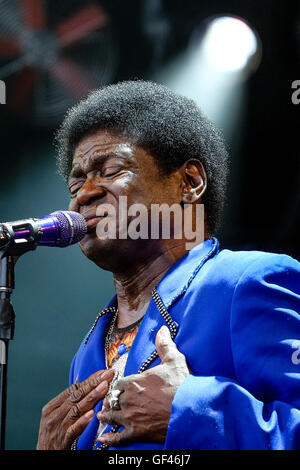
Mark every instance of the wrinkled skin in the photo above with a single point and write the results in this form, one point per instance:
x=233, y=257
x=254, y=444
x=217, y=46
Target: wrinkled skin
x=66, y=416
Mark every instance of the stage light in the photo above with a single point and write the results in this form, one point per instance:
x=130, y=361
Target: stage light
x=230, y=44
x=222, y=53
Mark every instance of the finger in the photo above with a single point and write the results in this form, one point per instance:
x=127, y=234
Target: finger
x=78, y=427
x=117, y=438
x=78, y=409
x=105, y=404
x=165, y=346
x=78, y=391
x=109, y=416
x=123, y=383
x=79, y=388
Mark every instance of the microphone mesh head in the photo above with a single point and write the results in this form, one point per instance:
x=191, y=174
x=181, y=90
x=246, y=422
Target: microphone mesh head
x=72, y=227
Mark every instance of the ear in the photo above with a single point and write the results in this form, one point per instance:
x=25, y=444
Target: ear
x=194, y=181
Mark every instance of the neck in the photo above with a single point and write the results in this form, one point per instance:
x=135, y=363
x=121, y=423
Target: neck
x=134, y=287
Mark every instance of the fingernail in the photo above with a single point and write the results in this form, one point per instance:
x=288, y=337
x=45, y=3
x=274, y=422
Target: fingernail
x=89, y=415
x=107, y=374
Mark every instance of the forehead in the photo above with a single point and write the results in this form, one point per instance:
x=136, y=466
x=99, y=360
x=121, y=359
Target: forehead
x=94, y=149
x=102, y=142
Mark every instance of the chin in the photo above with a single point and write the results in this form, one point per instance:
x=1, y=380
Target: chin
x=107, y=254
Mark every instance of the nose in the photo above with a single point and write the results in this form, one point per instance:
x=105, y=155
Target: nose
x=89, y=191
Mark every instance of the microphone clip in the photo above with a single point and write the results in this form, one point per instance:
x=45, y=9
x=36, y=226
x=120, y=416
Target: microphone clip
x=10, y=246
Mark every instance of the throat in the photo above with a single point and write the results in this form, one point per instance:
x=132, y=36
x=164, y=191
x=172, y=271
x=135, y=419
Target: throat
x=133, y=300
x=134, y=287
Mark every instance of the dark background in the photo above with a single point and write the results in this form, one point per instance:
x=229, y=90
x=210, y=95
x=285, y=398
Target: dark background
x=58, y=292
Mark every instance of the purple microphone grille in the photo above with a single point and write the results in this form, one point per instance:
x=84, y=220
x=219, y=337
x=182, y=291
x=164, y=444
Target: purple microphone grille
x=72, y=227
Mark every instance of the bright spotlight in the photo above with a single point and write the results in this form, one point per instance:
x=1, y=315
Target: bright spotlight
x=223, y=52
x=230, y=44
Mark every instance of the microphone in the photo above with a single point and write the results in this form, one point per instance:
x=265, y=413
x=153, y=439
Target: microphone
x=60, y=229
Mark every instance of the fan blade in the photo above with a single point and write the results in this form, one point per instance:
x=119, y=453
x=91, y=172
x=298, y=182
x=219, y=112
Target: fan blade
x=72, y=77
x=9, y=47
x=79, y=25
x=33, y=13
x=21, y=87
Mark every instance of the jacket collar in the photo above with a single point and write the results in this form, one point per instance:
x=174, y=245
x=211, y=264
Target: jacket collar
x=178, y=278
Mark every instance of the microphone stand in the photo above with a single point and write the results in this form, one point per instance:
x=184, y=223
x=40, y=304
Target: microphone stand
x=10, y=250
x=7, y=324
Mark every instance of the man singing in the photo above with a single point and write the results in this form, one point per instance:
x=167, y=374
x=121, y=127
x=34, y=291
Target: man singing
x=199, y=348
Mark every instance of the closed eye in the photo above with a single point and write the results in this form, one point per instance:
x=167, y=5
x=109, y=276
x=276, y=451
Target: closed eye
x=111, y=170
x=75, y=188
x=107, y=171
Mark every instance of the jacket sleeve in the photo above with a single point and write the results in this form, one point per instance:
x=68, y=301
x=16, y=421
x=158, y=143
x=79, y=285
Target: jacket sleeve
x=72, y=377
x=260, y=408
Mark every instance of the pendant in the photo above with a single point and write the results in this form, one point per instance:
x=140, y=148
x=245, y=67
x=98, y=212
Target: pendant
x=122, y=349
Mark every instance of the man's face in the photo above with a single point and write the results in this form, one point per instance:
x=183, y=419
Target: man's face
x=105, y=167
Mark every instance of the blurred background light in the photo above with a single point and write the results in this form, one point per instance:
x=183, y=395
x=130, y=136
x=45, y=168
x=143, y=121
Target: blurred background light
x=222, y=53
x=230, y=43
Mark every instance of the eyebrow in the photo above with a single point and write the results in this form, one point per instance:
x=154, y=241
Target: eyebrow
x=99, y=158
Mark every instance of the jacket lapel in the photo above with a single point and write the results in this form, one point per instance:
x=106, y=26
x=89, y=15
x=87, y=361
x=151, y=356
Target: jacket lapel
x=93, y=359
x=144, y=343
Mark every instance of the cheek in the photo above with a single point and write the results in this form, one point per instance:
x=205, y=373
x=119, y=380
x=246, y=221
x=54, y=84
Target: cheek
x=127, y=181
x=162, y=194
x=73, y=206
x=133, y=188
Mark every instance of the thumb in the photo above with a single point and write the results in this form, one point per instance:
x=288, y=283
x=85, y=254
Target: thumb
x=165, y=346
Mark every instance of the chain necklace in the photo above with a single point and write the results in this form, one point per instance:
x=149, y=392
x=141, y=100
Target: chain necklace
x=109, y=335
